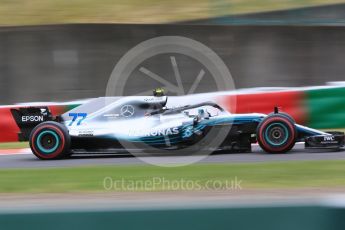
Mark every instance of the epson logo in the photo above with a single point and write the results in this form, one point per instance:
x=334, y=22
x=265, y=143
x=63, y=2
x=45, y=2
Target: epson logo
x=32, y=118
x=328, y=138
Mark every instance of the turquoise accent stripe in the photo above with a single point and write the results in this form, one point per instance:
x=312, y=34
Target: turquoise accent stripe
x=41, y=148
x=185, y=129
x=268, y=139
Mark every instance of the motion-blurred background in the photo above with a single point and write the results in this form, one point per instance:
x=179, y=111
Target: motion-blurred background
x=62, y=50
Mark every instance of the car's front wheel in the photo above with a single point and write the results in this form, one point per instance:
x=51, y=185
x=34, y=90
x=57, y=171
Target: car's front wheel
x=50, y=140
x=276, y=134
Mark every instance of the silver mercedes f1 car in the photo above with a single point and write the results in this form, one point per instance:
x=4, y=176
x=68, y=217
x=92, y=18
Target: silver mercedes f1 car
x=149, y=122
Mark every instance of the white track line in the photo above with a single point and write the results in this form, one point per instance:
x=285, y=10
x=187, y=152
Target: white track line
x=6, y=152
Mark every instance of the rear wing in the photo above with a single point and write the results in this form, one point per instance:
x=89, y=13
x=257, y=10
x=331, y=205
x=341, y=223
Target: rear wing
x=17, y=121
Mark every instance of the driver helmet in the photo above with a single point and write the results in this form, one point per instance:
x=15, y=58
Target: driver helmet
x=158, y=92
x=202, y=113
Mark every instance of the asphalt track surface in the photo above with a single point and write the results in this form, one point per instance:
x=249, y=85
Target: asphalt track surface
x=28, y=160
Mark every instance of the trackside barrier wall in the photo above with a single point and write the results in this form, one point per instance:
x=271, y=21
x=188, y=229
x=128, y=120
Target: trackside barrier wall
x=320, y=108
x=326, y=108
x=267, y=218
x=69, y=62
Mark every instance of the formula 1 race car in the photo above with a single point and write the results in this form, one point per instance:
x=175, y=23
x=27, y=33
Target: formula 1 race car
x=147, y=122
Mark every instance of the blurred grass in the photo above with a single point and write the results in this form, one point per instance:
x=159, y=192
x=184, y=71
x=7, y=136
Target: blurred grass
x=14, y=145
x=23, y=12
x=313, y=174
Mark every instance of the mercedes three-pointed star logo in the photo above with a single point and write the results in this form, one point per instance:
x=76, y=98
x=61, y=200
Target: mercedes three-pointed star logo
x=127, y=111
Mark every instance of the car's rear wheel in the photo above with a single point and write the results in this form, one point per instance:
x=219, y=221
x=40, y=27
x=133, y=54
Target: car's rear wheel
x=50, y=140
x=276, y=134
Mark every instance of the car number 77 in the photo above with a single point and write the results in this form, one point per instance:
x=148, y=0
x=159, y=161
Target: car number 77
x=75, y=117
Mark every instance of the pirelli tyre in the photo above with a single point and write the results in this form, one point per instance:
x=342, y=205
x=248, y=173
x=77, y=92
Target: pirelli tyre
x=276, y=134
x=50, y=140
x=286, y=115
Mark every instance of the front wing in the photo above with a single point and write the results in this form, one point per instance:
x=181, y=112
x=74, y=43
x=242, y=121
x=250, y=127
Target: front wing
x=333, y=140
